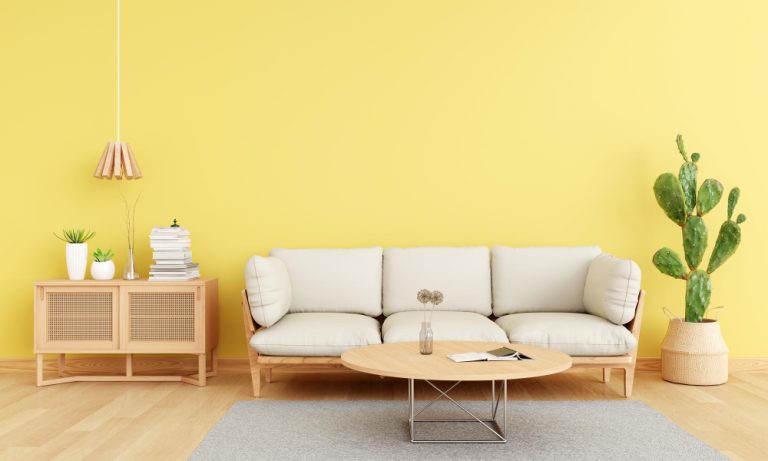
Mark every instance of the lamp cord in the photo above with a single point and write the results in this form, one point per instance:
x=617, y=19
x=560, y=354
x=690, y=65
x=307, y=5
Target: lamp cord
x=118, y=70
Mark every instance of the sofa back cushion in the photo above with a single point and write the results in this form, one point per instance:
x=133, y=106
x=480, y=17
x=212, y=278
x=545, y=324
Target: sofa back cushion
x=334, y=280
x=268, y=288
x=612, y=288
x=462, y=274
x=540, y=279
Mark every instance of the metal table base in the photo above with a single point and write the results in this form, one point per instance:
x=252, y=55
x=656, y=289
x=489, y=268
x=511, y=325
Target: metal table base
x=498, y=430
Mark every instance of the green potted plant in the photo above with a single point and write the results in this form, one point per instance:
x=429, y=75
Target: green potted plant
x=77, y=251
x=102, y=267
x=693, y=351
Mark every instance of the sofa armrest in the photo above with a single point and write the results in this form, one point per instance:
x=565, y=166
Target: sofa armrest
x=612, y=288
x=268, y=289
x=634, y=325
x=248, y=323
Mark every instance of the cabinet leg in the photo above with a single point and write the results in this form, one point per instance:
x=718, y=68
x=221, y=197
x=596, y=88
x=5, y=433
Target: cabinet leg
x=214, y=362
x=606, y=375
x=268, y=375
x=61, y=364
x=39, y=370
x=201, y=369
x=128, y=364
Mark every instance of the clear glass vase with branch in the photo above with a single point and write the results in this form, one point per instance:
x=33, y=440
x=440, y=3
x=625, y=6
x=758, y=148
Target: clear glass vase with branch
x=426, y=336
x=129, y=273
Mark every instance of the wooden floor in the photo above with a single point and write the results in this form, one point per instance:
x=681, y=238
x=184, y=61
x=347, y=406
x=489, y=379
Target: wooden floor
x=166, y=421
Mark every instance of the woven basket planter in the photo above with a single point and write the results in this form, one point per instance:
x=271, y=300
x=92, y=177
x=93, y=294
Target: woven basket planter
x=694, y=353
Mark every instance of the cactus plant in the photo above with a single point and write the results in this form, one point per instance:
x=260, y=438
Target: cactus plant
x=677, y=196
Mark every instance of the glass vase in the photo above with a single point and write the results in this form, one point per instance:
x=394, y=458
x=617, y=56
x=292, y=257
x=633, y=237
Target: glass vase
x=129, y=273
x=425, y=338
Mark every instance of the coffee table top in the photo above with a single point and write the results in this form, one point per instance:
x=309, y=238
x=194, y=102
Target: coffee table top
x=403, y=360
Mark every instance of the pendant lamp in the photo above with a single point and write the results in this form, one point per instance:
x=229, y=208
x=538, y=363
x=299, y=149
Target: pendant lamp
x=117, y=161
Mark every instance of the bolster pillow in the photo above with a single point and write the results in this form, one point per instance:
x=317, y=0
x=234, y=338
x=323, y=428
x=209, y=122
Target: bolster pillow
x=269, y=289
x=612, y=288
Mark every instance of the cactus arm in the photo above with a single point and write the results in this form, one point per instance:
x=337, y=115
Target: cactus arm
x=709, y=196
x=668, y=262
x=669, y=196
x=698, y=293
x=733, y=199
x=694, y=241
x=681, y=147
x=687, y=176
x=728, y=240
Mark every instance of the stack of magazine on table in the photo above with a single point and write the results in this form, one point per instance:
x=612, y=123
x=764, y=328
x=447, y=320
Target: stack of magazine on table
x=500, y=354
x=172, y=252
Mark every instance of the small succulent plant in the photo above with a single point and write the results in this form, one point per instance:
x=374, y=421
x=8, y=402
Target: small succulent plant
x=102, y=256
x=677, y=196
x=75, y=235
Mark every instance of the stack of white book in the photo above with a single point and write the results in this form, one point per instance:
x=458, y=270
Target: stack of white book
x=172, y=252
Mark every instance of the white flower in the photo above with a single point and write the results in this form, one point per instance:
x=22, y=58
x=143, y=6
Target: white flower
x=424, y=296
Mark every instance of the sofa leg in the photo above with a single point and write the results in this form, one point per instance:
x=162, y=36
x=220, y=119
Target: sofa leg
x=606, y=375
x=268, y=375
x=256, y=381
x=253, y=359
x=629, y=381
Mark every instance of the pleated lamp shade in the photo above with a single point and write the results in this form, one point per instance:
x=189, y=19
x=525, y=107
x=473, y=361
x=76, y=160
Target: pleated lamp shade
x=117, y=162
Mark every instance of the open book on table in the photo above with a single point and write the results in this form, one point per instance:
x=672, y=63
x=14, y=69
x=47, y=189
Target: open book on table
x=500, y=354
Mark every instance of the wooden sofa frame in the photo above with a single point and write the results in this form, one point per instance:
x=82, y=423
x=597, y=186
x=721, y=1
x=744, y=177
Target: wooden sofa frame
x=263, y=364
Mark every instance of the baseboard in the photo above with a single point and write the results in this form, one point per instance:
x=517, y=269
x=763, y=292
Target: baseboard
x=734, y=364
x=171, y=365
x=160, y=365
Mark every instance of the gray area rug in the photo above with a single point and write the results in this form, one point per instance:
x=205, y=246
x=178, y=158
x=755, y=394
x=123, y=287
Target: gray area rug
x=377, y=430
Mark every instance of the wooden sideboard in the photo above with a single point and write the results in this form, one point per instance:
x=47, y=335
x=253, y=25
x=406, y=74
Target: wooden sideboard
x=127, y=317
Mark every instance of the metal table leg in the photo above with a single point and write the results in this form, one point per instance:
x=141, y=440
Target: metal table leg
x=499, y=430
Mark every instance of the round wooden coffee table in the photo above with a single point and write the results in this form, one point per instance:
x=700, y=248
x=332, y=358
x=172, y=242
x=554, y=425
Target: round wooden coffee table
x=403, y=360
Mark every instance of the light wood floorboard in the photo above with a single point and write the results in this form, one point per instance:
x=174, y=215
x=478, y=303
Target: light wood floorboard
x=166, y=421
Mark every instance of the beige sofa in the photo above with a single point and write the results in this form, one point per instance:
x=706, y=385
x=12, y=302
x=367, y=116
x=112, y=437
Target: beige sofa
x=304, y=307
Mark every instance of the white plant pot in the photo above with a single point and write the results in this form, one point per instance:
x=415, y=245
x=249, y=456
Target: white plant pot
x=77, y=260
x=103, y=270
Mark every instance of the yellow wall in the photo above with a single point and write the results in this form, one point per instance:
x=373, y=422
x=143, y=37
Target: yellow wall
x=352, y=123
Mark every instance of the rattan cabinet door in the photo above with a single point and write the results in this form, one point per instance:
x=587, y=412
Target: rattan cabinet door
x=76, y=319
x=161, y=319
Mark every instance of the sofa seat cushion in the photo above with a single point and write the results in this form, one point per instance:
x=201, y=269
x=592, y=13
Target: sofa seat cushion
x=316, y=334
x=446, y=326
x=575, y=334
